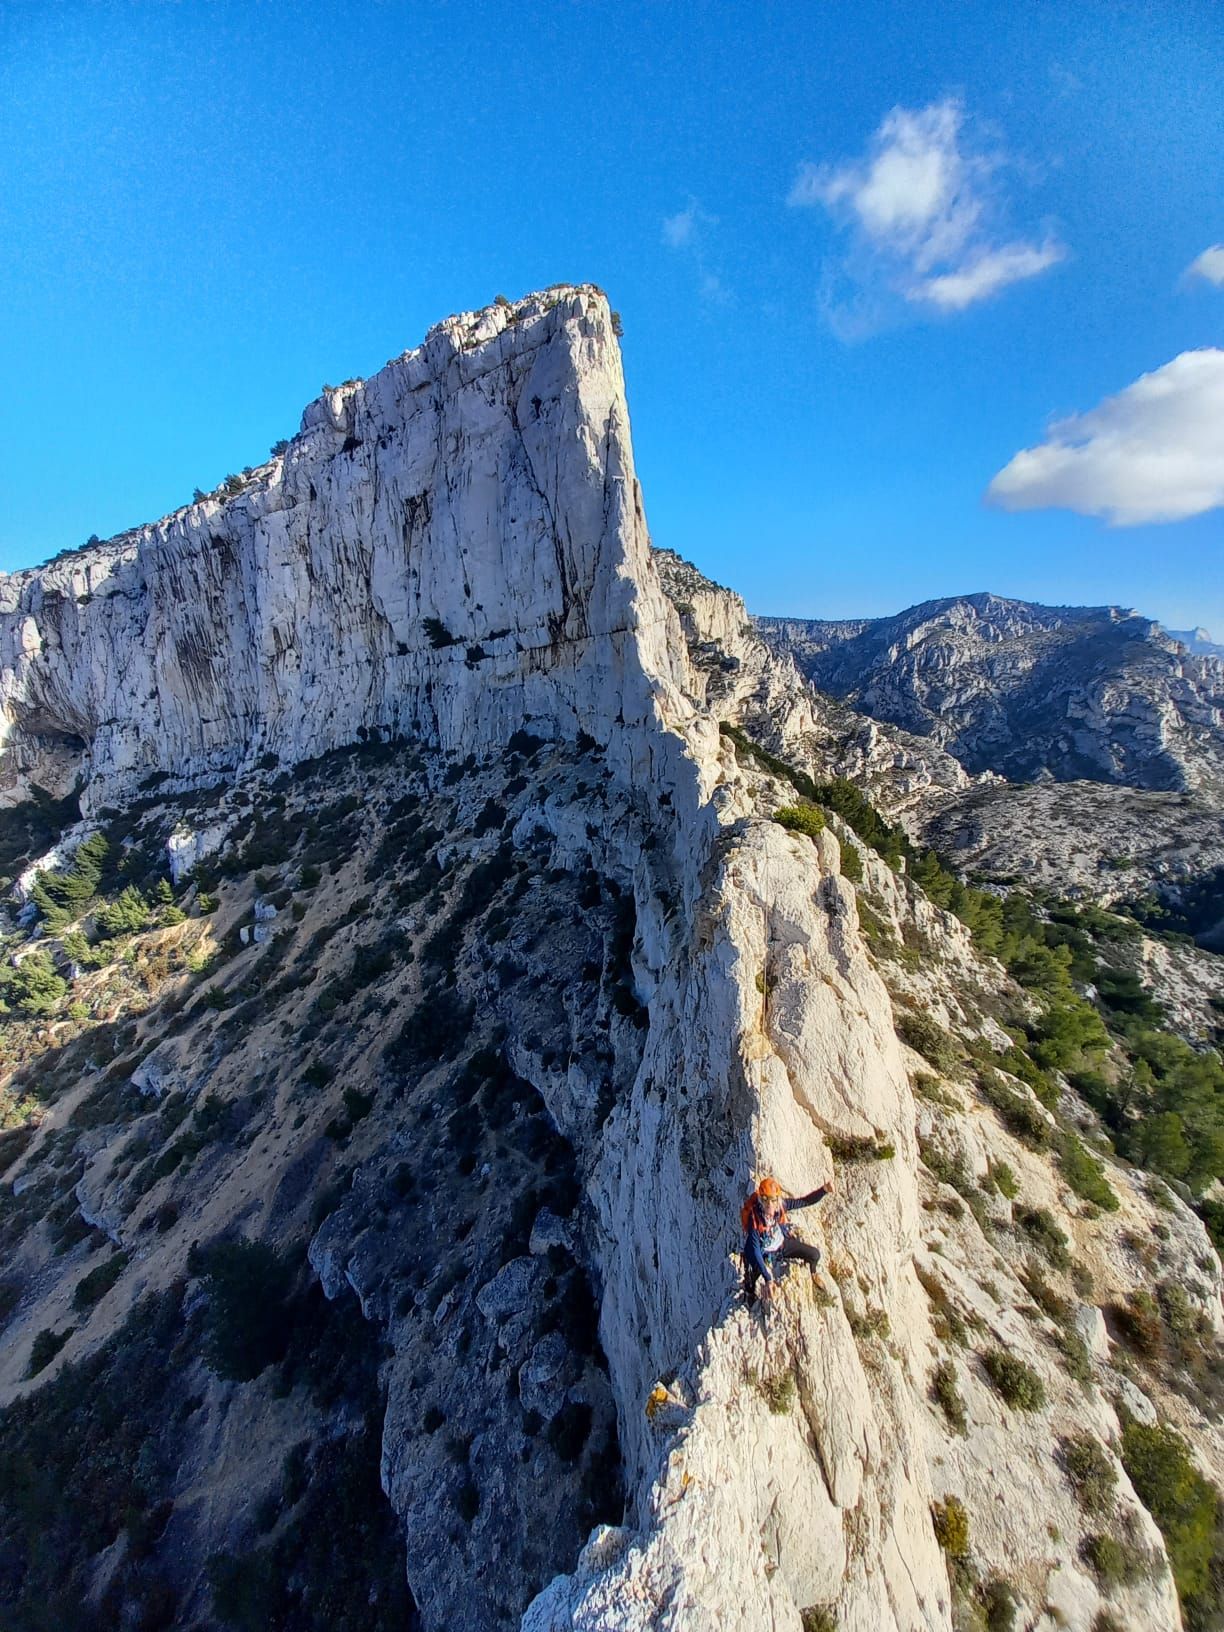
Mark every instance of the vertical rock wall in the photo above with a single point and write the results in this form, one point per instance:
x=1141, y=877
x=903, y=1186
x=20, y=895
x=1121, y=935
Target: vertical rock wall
x=453, y=549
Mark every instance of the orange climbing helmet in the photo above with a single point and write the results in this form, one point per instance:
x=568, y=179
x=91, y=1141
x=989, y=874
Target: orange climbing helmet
x=751, y=1216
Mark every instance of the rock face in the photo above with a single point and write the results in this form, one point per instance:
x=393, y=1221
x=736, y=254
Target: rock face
x=505, y=1076
x=453, y=549
x=1029, y=691
x=737, y=676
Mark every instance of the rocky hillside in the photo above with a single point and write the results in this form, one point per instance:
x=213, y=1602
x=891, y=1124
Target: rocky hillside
x=387, y=1050
x=1029, y=691
x=1161, y=855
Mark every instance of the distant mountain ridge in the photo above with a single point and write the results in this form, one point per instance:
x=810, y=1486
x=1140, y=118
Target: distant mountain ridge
x=1030, y=691
x=1198, y=641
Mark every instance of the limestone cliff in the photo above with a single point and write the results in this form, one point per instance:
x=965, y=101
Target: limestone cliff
x=453, y=549
x=402, y=1138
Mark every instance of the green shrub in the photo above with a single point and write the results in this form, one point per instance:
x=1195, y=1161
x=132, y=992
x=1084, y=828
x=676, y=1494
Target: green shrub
x=1039, y=1224
x=1076, y=1357
x=929, y=1039
x=1082, y=1280
x=871, y=1323
x=1159, y=1194
x=247, y=1285
x=927, y=1087
x=1212, y=1215
x=11, y=1292
x=98, y=1282
x=1049, y=1301
x=1085, y=1174
x=998, y=1602
x=947, y=1395
x=128, y=914
x=33, y=987
x=801, y=819
x=851, y=863
x=1016, y=1110
x=818, y=1618
x=1187, y=1509
x=44, y=1349
x=946, y=1320
x=76, y=947
x=850, y=1149
x=64, y=895
x=1138, y=1322
x=438, y=635
x=1090, y=1472
x=778, y=1392
x=1113, y=1564
x=951, y=1523
x=948, y=1167
x=1004, y=1180
x=1015, y=1381
x=848, y=801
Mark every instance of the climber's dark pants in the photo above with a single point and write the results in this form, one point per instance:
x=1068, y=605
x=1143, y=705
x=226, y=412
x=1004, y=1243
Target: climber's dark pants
x=792, y=1247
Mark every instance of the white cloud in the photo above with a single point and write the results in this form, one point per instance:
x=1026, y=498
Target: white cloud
x=1154, y=452
x=688, y=231
x=922, y=208
x=1209, y=266
x=678, y=229
x=1064, y=81
x=992, y=270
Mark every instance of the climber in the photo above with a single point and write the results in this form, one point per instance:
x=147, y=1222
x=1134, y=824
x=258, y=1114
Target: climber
x=767, y=1234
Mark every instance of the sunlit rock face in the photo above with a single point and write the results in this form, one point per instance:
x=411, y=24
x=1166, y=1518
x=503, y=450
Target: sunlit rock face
x=453, y=549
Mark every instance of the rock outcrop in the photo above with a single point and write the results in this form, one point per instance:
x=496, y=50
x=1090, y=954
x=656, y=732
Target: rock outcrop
x=452, y=550
x=1080, y=838
x=737, y=676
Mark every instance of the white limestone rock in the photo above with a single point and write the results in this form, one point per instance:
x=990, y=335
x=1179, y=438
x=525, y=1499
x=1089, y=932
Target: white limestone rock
x=453, y=549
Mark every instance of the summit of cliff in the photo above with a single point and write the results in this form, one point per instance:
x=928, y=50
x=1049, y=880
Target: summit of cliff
x=452, y=549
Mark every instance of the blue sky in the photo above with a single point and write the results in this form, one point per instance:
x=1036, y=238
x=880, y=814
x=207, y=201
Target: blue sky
x=864, y=256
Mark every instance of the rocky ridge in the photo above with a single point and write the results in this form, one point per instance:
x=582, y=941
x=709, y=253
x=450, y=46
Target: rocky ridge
x=1028, y=691
x=1112, y=844
x=586, y=971
x=738, y=677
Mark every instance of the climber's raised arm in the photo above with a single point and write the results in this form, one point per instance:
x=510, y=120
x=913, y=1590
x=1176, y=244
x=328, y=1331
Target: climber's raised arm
x=812, y=1197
